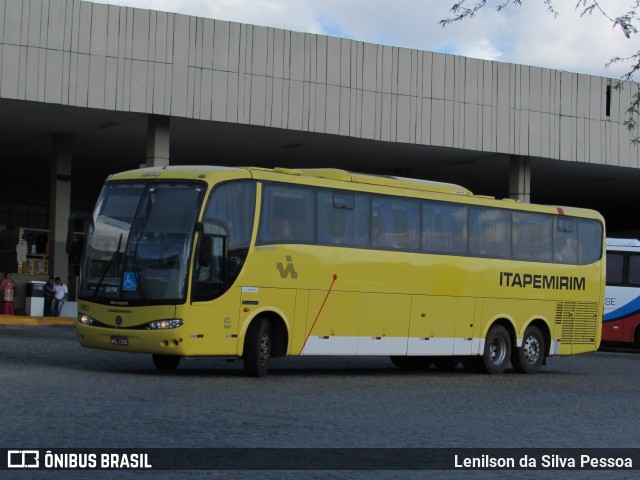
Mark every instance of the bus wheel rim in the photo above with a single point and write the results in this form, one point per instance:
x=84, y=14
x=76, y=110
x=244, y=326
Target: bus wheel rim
x=265, y=349
x=531, y=348
x=498, y=350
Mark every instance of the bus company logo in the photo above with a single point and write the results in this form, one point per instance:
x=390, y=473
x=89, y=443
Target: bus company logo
x=288, y=270
x=23, y=459
x=118, y=320
x=544, y=282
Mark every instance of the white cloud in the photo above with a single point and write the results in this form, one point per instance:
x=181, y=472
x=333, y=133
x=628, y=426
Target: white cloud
x=481, y=48
x=568, y=42
x=527, y=35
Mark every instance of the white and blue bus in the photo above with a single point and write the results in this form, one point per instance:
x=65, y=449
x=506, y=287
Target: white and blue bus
x=621, y=321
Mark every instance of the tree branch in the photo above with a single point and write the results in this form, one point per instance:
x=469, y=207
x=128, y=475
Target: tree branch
x=626, y=22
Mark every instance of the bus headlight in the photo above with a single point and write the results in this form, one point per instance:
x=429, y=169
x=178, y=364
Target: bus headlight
x=85, y=320
x=164, y=324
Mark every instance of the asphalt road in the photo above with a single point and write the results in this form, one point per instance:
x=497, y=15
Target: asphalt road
x=55, y=394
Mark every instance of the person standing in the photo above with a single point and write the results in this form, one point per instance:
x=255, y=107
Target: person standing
x=7, y=287
x=49, y=295
x=60, y=297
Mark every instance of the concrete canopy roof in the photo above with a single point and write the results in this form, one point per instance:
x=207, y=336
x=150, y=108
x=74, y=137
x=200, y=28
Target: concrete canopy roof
x=106, y=142
x=246, y=95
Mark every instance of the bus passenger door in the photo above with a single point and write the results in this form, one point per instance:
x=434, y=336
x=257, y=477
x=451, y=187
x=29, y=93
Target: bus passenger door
x=214, y=324
x=384, y=323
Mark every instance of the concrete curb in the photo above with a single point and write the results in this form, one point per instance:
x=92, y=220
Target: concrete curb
x=20, y=320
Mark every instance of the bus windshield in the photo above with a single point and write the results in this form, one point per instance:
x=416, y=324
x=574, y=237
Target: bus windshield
x=137, y=249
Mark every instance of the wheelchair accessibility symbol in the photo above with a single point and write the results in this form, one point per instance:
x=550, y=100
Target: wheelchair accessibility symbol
x=130, y=283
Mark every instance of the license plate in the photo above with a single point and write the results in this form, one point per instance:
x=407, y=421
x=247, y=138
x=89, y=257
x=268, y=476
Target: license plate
x=119, y=340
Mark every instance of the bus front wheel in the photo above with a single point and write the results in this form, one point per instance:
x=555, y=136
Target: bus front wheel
x=166, y=362
x=257, y=348
x=529, y=357
x=497, y=351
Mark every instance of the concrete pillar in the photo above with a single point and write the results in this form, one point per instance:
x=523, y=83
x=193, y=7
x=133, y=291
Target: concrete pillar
x=60, y=204
x=158, y=141
x=520, y=178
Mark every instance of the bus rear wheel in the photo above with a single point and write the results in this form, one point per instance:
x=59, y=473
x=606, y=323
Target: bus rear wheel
x=257, y=348
x=497, y=351
x=529, y=357
x=166, y=362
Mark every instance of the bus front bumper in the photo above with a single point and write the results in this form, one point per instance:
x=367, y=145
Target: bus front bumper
x=173, y=341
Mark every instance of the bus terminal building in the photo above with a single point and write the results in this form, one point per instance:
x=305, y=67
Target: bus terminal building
x=88, y=90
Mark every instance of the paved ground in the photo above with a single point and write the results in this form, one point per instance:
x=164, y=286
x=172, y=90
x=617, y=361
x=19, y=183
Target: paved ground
x=56, y=394
x=42, y=321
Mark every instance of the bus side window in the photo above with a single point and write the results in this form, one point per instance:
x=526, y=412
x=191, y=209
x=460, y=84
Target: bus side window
x=589, y=241
x=288, y=214
x=634, y=269
x=615, y=268
x=531, y=236
x=565, y=245
x=395, y=224
x=490, y=232
x=444, y=228
x=343, y=219
x=232, y=205
x=281, y=229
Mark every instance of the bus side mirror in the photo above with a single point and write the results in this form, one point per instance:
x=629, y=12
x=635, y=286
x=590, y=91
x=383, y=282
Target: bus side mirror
x=204, y=252
x=73, y=218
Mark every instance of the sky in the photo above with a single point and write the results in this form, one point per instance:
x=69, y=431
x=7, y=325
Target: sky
x=527, y=34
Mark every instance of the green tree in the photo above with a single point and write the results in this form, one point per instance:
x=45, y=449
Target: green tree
x=626, y=23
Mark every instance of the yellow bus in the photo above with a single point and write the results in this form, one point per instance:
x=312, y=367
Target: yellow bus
x=256, y=263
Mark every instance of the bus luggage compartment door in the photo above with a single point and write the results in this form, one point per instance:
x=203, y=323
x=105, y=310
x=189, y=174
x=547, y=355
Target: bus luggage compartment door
x=441, y=325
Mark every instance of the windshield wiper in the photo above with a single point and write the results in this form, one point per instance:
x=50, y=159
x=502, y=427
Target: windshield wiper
x=108, y=267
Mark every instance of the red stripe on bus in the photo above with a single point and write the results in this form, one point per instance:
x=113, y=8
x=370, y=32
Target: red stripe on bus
x=335, y=277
